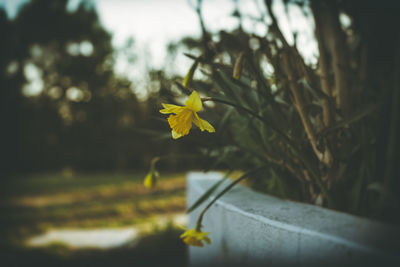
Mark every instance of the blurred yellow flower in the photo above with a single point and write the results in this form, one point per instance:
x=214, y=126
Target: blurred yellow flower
x=151, y=179
x=181, y=123
x=195, y=238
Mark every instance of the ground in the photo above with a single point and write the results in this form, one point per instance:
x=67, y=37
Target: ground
x=34, y=204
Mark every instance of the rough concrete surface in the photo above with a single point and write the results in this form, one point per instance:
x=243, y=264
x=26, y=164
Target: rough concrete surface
x=252, y=229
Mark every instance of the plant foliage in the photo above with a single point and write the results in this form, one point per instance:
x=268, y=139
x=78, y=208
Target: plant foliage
x=324, y=133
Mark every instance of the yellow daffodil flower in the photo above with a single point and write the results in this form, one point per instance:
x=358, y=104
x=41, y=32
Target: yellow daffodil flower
x=151, y=179
x=181, y=123
x=195, y=238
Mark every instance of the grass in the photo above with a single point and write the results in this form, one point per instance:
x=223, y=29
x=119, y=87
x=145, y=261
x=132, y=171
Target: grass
x=32, y=204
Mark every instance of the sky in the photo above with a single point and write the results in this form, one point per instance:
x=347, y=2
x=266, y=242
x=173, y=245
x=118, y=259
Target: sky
x=154, y=23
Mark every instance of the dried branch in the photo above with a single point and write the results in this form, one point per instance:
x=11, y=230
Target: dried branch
x=325, y=157
x=305, y=70
x=274, y=25
x=327, y=107
x=205, y=39
x=336, y=43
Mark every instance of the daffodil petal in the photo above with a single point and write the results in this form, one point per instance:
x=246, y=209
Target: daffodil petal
x=169, y=108
x=194, y=102
x=148, y=181
x=203, y=124
x=184, y=234
x=181, y=123
x=195, y=238
x=193, y=242
x=175, y=135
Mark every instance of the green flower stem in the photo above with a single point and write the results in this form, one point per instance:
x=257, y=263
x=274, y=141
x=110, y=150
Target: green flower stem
x=220, y=194
x=154, y=161
x=250, y=112
x=177, y=156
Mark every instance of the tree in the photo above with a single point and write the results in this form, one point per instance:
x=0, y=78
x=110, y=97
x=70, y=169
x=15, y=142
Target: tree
x=63, y=103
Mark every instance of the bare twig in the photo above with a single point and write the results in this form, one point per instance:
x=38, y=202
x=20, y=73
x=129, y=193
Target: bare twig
x=327, y=106
x=208, y=53
x=336, y=44
x=325, y=157
x=275, y=27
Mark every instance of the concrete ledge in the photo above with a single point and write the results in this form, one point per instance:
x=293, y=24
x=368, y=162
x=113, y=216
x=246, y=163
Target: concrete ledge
x=253, y=229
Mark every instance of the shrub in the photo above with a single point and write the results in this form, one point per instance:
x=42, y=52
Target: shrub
x=320, y=133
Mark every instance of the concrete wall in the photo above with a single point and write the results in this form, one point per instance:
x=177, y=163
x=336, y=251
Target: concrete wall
x=253, y=229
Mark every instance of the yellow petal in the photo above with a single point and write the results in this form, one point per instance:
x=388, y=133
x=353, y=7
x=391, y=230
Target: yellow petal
x=192, y=241
x=148, y=181
x=181, y=123
x=188, y=233
x=169, y=108
x=184, y=234
x=203, y=124
x=194, y=102
x=195, y=238
x=175, y=135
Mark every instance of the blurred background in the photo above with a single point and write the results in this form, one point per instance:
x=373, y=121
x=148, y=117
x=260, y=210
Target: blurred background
x=80, y=89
